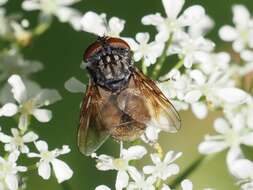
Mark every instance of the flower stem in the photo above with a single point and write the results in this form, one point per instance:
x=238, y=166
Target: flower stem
x=159, y=63
x=144, y=67
x=179, y=64
x=190, y=169
x=159, y=151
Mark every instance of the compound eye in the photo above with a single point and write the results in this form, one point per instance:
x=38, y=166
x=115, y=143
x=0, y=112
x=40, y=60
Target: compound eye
x=91, y=50
x=118, y=43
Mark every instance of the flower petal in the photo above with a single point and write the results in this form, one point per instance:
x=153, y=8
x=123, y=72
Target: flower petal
x=134, y=152
x=47, y=97
x=41, y=146
x=62, y=170
x=102, y=187
x=8, y=110
x=116, y=26
x=74, y=85
x=94, y=23
x=30, y=137
x=30, y=5
x=121, y=180
x=172, y=7
x=42, y=115
x=18, y=88
x=209, y=147
x=221, y=126
x=241, y=16
x=191, y=15
x=232, y=95
x=199, y=109
x=12, y=181
x=228, y=33
x=44, y=170
x=186, y=185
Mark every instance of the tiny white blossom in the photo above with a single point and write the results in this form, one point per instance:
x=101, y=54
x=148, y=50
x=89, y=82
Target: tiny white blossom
x=31, y=105
x=97, y=24
x=149, y=52
x=242, y=34
x=121, y=164
x=173, y=23
x=13, y=62
x=188, y=49
x=140, y=182
x=232, y=133
x=58, y=8
x=9, y=170
x=47, y=158
x=163, y=168
x=17, y=141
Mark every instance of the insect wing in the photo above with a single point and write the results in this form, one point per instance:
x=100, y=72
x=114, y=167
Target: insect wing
x=163, y=114
x=91, y=132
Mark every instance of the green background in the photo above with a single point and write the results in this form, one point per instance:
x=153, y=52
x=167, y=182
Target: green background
x=61, y=49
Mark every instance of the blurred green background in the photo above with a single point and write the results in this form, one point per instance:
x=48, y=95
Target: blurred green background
x=61, y=49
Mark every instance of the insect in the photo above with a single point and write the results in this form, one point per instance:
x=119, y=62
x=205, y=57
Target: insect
x=120, y=100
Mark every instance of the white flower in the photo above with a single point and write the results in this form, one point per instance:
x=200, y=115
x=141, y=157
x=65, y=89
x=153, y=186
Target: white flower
x=232, y=133
x=97, y=24
x=140, y=182
x=9, y=170
x=58, y=8
x=163, y=169
x=242, y=34
x=61, y=169
x=17, y=141
x=121, y=164
x=217, y=88
x=171, y=23
x=13, y=62
x=149, y=52
x=188, y=49
x=30, y=105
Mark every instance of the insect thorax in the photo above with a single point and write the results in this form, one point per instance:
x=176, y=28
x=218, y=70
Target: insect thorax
x=111, y=68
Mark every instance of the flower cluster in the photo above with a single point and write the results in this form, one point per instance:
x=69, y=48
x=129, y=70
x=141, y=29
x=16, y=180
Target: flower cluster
x=22, y=98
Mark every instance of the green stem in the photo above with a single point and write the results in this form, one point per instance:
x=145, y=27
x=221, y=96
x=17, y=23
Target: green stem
x=179, y=64
x=159, y=63
x=144, y=67
x=190, y=169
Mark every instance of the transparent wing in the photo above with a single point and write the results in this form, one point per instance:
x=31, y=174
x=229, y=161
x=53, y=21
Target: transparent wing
x=91, y=133
x=162, y=112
